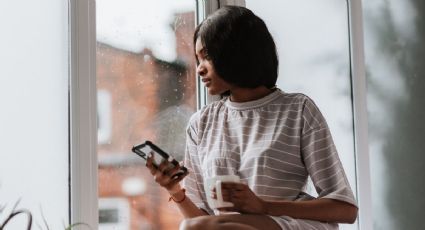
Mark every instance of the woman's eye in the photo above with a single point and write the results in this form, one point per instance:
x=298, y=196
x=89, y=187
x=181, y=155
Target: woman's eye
x=207, y=57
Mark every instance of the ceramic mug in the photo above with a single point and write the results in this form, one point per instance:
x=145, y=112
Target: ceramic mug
x=216, y=181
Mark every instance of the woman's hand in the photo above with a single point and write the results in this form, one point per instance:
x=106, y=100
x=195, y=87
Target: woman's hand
x=165, y=175
x=242, y=197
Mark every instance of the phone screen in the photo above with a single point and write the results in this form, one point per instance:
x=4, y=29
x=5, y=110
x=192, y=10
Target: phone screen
x=146, y=151
x=148, y=148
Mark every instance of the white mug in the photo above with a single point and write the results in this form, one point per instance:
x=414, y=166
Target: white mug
x=212, y=182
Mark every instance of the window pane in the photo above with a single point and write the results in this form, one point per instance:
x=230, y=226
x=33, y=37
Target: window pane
x=313, y=45
x=146, y=91
x=34, y=111
x=394, y=49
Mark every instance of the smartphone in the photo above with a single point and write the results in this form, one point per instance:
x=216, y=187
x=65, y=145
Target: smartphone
x=159, y=155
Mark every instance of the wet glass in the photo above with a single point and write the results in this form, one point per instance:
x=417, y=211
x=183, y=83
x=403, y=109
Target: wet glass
x=312, y=40
x=146, y=91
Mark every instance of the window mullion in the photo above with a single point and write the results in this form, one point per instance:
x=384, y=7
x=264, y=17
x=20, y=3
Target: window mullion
x=83, y=120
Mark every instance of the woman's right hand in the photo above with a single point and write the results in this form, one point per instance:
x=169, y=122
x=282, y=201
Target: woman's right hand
x=164, y=175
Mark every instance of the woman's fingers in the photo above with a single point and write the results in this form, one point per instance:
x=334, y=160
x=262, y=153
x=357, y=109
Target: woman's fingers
x=163, y=167
x=150, y=165
x=165, y=174
x=156, y=171
x=161, y=179
x=175, y=180
x=228, y=209
x=228, y=194
x=173, y=172
x=168, y=174
x=234, y=185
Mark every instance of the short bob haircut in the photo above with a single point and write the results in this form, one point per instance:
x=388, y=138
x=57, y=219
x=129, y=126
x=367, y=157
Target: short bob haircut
x=240, y=46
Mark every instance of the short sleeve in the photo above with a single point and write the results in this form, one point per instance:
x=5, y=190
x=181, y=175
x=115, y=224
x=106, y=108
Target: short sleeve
x=193, y=182
x=321, y=157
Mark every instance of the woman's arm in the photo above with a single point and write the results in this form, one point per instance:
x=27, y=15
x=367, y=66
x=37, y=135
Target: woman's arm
x=186, y=206
x=321, y=160
x=322, y=209
x=166, y=180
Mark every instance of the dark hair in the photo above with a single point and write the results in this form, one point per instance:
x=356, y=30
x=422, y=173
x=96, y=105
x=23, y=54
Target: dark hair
x=240, y=46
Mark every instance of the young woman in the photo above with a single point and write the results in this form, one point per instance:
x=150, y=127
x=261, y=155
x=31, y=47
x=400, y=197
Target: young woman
x=273, y=140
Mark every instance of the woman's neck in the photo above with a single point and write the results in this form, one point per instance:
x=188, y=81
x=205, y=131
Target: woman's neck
x=247, y=94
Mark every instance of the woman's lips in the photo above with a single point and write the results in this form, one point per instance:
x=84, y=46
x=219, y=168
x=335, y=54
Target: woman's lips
x=206, y=81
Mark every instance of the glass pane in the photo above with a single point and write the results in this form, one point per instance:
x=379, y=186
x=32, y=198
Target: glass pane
x=314, y=58
x=34, y=112
x=394, y=48
x=146, y=91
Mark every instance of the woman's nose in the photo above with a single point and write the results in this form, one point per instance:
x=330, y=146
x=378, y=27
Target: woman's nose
x=201, y=70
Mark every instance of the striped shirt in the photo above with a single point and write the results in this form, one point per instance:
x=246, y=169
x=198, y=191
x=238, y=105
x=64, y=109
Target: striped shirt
x=274, y=144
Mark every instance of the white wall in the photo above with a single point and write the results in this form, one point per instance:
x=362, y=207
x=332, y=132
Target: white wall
x=34, y=109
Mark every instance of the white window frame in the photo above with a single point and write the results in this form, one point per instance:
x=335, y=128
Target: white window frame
x=83, y=114
x=358, y=78
x=83, y=138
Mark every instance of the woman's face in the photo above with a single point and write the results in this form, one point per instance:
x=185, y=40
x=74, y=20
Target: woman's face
x=214, y=83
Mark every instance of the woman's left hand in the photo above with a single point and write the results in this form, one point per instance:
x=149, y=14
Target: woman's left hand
x=242, y=197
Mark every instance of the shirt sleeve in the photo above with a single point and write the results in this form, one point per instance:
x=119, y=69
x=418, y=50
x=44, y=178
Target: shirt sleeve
x=193, y=182
x=321, y=157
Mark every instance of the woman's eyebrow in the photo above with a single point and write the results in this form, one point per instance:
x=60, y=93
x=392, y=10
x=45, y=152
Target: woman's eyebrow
x=201, y=52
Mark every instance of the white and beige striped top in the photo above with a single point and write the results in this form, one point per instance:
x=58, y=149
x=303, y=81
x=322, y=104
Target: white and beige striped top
x=274, y=144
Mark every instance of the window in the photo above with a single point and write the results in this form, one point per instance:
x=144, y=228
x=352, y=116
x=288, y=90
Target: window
x=145, y=62
x=147, y=91
x=103, y=116
x=394, y=50
x=114, y=213
x=312, y=39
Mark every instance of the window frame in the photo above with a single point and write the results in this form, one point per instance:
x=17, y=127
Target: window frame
x=83, y=104
x=83, y=114
x=358, y=79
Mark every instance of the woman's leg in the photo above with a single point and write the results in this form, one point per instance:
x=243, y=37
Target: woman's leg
x=231, y=222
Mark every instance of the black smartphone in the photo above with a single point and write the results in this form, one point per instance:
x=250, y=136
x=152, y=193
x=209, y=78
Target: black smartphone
x=159, y=155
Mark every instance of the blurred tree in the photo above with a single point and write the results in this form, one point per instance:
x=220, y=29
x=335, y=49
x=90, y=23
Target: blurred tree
x=404, y=145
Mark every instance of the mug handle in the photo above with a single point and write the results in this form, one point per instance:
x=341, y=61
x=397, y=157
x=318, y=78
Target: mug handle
x=219, y=193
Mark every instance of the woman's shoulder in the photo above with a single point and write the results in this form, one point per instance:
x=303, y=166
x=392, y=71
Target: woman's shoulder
x=295, y=99
x=296, y=96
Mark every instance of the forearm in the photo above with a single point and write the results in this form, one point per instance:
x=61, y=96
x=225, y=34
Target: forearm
x=324, y=210
x=186, y=206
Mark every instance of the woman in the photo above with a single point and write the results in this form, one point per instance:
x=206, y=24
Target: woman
x=273, y=140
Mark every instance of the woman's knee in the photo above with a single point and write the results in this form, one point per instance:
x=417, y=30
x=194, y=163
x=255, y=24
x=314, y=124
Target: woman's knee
x=200, y=222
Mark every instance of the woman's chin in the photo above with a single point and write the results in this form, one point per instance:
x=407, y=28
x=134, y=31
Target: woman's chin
x=215, y=92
